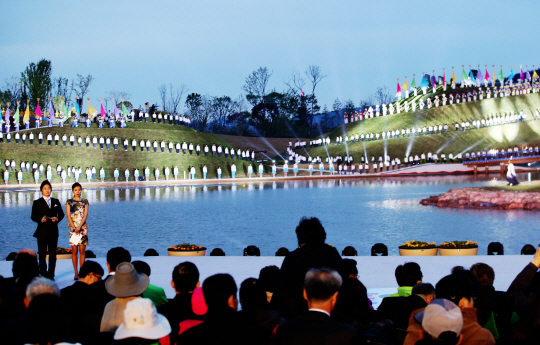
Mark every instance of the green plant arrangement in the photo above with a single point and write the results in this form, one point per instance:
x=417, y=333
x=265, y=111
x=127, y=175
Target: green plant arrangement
x=458, y=245
x=185, y=247
x=417, y=245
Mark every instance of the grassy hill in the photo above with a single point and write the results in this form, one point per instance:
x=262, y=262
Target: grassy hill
x=110, y=159
x=489, y=137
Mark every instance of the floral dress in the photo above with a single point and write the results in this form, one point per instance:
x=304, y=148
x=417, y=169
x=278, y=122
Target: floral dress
x=76, y=208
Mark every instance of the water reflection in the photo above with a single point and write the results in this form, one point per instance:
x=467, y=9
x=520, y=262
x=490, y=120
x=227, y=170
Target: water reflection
x=104, y=195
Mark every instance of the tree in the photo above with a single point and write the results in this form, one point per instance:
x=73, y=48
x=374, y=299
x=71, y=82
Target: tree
x=61, y=88
x=82, y=86
x=382, y=96
x=349, y=109
x=314, y=75
x=175, y=96
x=117, y=97
x=222, y=109
x=14, y=90
x=338, y=118
x=199, y=110
x=162, y=89
x=327, y=121
x=256, y=84
x=37, y=81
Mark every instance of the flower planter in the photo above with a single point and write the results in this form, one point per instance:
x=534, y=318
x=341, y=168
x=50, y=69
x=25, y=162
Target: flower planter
x=458, y=252
x=201, y=252
x=418, y=252
x=60, y=256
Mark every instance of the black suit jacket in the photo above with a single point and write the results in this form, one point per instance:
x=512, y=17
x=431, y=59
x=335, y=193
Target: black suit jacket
x=399, y=309
x=39, y=210
x=315, y=328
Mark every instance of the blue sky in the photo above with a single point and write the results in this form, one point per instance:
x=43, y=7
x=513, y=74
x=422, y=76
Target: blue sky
x=212, y=46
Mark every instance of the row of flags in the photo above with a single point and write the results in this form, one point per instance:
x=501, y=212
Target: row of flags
x=64, y=110
x=426, y=82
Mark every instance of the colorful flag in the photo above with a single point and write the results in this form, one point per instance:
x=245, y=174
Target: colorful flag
x=444, y=78
x=67, y=114
x=528, y=76
x=487, y=75
x=6, y=116
x=16, y=116
x=51, y=110
x=91, y=111
x=77, y=109
x=511, y=76
x=124, y=109
x=535, y=75
x=405, y=85
x=479, y=75
x=501, y=76
x=102, y=110
x=521, y=72
x=433, y=82
x=454, y=80
x=471, y=74
x=463, y=76
x=424, y=82
x=116, y=113
x=38, y=111
x=413, y=84
x=26, y=117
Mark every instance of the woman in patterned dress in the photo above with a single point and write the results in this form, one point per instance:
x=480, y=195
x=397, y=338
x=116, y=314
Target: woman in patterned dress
x=77, y=211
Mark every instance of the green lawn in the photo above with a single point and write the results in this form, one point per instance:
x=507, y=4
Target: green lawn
x=110, y=159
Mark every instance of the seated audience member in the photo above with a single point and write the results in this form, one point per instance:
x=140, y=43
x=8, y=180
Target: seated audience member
x=25, y=268
x=494, y=305
x=350, y=268
x=456, y=288
x=126, y=285
x=90, y=273
x=255, y=309
x=442, y=323
x=185, y=279
x=524, y=297
x=99, y=297
x=312, y=253
x=155, y=293
x=221, y=323
x=407, y=276
x=46, y=322
x=142, y=324
x=268, y=277
x=399, y=309
x=316, y=326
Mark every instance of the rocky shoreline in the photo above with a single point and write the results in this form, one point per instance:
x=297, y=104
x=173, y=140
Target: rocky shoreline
x=477, y=198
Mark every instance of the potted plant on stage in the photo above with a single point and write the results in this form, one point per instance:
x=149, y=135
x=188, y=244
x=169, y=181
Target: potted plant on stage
x=458, y=248
x=186, y=249
x=62, y=253
x=418, y=248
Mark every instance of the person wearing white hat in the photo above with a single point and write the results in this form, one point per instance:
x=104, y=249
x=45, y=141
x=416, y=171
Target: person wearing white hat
x=442, y=320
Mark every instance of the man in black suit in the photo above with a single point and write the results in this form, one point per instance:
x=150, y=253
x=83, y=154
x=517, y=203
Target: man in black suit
x=312, y=253
x=47, y=213
x=316, y=326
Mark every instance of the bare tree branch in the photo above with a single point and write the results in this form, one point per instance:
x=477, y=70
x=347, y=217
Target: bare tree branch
x=175, y=96
x=314, y=74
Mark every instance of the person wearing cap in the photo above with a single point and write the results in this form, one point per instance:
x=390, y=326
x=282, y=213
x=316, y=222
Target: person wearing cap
x=185, y=279
x=141, y=323
x=441, y=321
x=126, y=285
x=47, y=213
x=457, y=289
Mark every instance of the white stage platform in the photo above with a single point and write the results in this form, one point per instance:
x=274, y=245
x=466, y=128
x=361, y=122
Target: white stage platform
x=377, y=273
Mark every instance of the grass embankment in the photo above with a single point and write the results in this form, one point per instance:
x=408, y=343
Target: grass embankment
x=111, y=159
x=501, y=136
x=530, y=187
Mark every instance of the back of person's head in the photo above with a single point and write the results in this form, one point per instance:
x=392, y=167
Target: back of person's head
x=321, y=284
x=217, y=291
x=117, y=255
x=142, y=267
x=268, y=277
x=151, y=252
x=45, y=320
x=442, y=322
x=351, y=270
x=252, y=295
x=454, y=287
x=423, y=289
x=310, y=230
x=39, y=286
x=185, y=277
x=349, y=251
x=217, y=252
x=352, y=302
x=408, y=274
x=483, y=273
x=25, y=265
x=90, y=267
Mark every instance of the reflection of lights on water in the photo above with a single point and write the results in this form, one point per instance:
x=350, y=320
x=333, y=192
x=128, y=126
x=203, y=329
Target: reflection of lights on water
x=529, y=175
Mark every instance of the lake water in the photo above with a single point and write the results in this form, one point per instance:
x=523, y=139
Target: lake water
x=357, y=212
